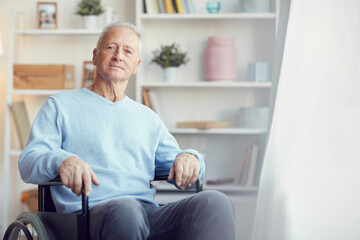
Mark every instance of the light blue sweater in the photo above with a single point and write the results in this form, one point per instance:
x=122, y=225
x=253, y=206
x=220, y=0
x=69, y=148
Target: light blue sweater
x=122, y=142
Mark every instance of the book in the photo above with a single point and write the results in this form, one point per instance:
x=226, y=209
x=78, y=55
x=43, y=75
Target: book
x=244, y=174
x=148, y=7
x=144, y=4
x=22, y=122
x=189, y=6
x=146, y=98
x=156, y=6
x=241, y=168
x=221, y=181
x=202, y=124
x=169, y=8
x=154, y=103
x=161, y=6
x=252, y=167
x=174, y=5
x=151, y=6
x=184, y=6
x=179, y=6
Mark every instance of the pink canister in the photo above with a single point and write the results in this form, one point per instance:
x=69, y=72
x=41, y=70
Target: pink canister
x=220, y=59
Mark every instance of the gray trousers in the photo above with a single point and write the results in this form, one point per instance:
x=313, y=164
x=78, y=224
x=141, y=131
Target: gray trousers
x=206, y=215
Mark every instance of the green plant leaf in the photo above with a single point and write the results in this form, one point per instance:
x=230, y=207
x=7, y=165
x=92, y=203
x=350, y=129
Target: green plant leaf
x=169, y=56
x=89, y=7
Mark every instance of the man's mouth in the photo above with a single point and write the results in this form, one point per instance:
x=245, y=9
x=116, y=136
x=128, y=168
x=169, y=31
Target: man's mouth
x=117, y=66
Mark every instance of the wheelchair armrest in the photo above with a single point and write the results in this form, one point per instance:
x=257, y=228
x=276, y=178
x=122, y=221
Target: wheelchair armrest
x=52, y=182
x=56, y=182
x=46, y=204
x=164, y=177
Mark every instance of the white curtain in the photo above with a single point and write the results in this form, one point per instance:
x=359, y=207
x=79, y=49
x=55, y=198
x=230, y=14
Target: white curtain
x=310, y=182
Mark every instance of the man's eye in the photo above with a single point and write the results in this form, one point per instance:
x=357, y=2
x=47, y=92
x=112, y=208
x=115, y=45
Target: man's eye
x=128, y=51
x=111, y=48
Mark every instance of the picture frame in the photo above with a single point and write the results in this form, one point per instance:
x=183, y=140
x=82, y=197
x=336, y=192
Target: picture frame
x=46, y=15
x=88, y=73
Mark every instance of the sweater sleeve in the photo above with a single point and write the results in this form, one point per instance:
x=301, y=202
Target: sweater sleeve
x=168, y=150
x=41, y=158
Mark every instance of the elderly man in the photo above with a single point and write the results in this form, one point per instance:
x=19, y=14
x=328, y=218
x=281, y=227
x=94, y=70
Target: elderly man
x=100, y=138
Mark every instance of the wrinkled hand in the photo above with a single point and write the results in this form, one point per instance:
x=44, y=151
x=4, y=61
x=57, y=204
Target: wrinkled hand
x=74, y=172
x=185, y=169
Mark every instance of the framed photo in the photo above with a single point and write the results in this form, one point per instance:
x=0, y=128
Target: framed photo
x=46, y=15
x=88, y=74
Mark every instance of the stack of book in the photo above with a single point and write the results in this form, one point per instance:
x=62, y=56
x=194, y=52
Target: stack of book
x=168, y=6
x=22, y=122
x=150, y=100
x=203, y=124
x=247, y=170
x=246, y=173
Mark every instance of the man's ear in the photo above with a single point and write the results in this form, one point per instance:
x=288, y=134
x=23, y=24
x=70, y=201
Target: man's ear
x=137, y=66
x=94, y=55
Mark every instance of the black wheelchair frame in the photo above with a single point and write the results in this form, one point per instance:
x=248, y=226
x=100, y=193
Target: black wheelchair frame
x=48, y=224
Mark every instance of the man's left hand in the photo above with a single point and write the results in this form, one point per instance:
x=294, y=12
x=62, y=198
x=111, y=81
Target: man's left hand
x=185, y=169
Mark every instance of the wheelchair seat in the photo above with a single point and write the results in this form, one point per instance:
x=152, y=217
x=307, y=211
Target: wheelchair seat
x=48, y=224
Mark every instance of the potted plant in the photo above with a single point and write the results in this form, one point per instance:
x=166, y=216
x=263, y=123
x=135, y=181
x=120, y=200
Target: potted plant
x=89, y=10
x=169, y=57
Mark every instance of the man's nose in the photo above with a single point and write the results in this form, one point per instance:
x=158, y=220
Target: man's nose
x=118, y=55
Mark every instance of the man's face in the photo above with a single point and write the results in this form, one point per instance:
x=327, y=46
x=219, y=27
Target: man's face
x=117, y=56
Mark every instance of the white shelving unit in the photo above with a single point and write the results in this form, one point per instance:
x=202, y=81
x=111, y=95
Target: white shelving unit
x=17, y=39
x=192, y=98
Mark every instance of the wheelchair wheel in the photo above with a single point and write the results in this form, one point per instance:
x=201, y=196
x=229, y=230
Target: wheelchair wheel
x=27, y=226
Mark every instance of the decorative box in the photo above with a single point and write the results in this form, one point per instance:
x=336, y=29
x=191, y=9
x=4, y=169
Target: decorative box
x=43, y=76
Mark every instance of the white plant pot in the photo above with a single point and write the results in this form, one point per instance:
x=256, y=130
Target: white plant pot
x=169, y=74
x=90, y=21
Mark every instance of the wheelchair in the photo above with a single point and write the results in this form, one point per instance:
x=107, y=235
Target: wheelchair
x=48, y=224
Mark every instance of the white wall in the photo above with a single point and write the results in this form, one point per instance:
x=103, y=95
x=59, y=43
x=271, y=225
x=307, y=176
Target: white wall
x=66, y=19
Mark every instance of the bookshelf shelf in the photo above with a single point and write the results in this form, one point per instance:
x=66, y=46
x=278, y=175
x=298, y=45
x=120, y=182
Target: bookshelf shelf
x=220, y=131
x=164, y=186
x=38, y=92
x=57, y=32
x=207, y=85
x=232, y=16
x=231, y=188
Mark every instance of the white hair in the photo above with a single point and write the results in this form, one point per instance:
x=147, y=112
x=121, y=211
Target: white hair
x=116, y=25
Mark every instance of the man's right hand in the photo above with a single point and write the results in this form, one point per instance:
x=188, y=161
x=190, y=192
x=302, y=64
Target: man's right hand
x=74, y=172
